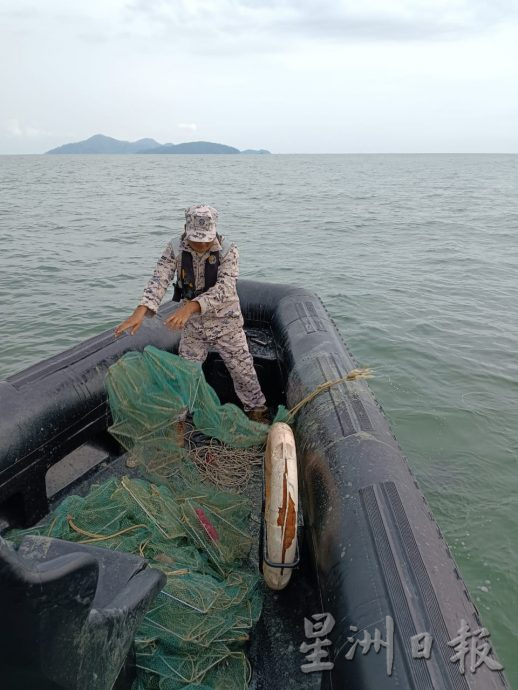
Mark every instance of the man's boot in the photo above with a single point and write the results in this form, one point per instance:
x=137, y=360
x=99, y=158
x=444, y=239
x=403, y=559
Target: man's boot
x=259, y=414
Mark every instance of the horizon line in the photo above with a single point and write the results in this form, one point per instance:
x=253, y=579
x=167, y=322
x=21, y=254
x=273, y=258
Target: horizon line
x=298, y=153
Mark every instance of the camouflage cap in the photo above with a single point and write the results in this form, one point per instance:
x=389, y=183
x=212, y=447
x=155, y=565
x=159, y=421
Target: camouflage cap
x=200, y=223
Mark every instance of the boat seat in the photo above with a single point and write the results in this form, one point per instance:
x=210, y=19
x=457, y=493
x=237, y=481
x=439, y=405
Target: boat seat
x=69, y=613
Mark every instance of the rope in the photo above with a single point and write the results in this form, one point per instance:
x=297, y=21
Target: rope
x=99, y=537
x=182, y=571
x=226, y=467
x=353, y=375
x=232, y=468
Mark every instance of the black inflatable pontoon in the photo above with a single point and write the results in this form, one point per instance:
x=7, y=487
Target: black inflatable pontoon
x=372, y=554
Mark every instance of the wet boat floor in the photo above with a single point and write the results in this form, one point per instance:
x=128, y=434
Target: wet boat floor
x=274, y=648
x=275, y=641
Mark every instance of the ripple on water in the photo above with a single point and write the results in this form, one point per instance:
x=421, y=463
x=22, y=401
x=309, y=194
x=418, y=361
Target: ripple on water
x=414, y=256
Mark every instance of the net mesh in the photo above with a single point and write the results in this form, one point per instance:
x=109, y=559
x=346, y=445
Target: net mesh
x=194, y=636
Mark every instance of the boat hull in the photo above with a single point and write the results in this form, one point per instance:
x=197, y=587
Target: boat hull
x=376, y=553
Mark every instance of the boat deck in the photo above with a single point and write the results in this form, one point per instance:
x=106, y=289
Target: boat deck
x=276, y=638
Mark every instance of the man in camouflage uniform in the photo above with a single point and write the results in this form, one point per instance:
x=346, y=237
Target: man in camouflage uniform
x=209, y=317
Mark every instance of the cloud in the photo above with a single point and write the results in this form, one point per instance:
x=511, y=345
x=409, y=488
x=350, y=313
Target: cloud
x=224, y=25
x=190, y=126
x=15, y=128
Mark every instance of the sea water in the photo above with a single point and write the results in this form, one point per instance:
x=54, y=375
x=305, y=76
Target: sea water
x=415, y=257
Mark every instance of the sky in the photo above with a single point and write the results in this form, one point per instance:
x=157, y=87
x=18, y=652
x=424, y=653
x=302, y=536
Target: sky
x=291, y=76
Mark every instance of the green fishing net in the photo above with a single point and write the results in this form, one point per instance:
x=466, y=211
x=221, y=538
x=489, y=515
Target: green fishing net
x=194, y=636
x=148, y=389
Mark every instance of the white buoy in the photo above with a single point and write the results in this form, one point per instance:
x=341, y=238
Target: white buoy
x=281, y=501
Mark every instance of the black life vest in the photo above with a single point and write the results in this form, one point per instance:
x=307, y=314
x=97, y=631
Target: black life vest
x=184, y=287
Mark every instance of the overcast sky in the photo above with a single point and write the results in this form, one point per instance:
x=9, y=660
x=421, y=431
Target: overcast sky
x=292, y=76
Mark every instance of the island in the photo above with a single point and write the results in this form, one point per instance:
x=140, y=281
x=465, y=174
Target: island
x=193, y=147
x=101, y=144
x=255, y=151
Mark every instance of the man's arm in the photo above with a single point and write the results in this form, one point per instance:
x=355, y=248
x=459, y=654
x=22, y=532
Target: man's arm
x=159, y=282
x=153, y=292
x=225, y=287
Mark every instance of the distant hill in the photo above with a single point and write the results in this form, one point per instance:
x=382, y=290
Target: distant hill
x=105, y=145
x=102, y=144
x=193, y=147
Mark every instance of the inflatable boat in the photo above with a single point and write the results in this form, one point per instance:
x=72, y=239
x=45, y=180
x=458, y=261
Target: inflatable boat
x=376, y=601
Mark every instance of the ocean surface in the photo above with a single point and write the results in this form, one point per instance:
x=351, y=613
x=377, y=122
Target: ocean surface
x=415, y=256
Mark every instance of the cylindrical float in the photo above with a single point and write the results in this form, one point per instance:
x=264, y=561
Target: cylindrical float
x=280, y=507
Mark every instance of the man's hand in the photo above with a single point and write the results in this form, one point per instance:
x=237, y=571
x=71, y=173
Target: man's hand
x=134, y=322
x=183, y=314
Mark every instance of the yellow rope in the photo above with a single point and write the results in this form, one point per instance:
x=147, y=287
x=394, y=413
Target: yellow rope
x=142, y=546
x=52, y=525
x=99, y=537
x=353, y=375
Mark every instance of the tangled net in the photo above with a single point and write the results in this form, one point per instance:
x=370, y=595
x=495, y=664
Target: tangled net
x=195, y=633
x=178, y=517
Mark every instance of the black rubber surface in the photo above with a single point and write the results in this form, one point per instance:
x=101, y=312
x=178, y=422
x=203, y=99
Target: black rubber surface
x=374, y=549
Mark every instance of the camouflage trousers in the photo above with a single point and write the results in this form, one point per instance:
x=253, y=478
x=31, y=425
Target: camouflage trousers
x=229, y=339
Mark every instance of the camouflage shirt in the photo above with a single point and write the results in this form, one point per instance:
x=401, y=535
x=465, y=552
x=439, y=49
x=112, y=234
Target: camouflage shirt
x=219, y=301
